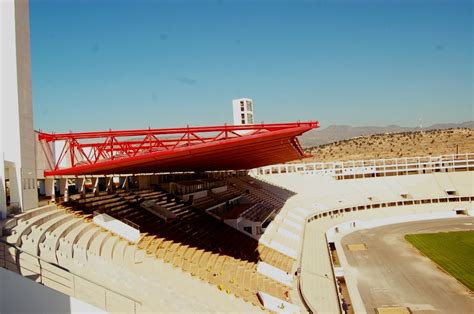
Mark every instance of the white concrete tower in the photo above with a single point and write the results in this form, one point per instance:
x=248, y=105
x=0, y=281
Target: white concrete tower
x=17, y=145
x=243, y=111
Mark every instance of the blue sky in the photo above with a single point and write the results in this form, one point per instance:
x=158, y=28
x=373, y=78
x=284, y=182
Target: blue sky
x=133, y=64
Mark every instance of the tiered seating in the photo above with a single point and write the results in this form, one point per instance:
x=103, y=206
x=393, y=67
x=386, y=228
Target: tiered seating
x=258, y=212
x=277, y=191
x=275, y=258
x=267, y=199
x=201, y=245
x=257, y=193
x=229, y=194
x=204, y=202
x=103, y=202
x=195, y=242
x=216, y=198
x=209, y=249
x=263, y=189
x=328, y=202
x=229, y=262
x=146, y=220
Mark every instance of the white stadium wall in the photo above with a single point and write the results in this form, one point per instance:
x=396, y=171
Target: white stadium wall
x=15, y=288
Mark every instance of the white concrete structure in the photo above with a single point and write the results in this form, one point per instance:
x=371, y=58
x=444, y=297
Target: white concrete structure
x=88, y=263
x=17, y=145
x=326, y=205
x=14, y=288
x=276, y=305
x=117, y=227
x=242, y=111
x=353, y=169
x=275, y=273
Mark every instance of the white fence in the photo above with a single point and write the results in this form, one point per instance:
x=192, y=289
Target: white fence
x=376, y=167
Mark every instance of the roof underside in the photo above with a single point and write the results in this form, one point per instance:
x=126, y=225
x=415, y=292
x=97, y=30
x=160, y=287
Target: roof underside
x=242, y=147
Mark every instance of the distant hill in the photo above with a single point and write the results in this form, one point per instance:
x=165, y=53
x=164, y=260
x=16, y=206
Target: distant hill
x=395, y=145
x=334, y=133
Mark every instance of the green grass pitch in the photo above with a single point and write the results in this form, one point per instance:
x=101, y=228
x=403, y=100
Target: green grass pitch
x=452, y=251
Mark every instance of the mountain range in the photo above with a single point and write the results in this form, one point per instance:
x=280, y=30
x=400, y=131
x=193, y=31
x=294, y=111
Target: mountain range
x=334, y=133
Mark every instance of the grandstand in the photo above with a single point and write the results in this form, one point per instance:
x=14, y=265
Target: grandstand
x=326, y=205
x=194, y=242
x=200, y=242
x=204, y=219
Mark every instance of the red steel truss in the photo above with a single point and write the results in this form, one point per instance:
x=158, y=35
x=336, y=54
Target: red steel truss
x=227, y=147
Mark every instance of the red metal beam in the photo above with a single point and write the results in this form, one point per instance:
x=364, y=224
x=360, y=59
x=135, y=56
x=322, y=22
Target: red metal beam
x=224, y=147
x=169, y=131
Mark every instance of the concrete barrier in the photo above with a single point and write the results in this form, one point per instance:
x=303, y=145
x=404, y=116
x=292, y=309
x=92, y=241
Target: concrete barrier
x=275, y=273
x=117, y=227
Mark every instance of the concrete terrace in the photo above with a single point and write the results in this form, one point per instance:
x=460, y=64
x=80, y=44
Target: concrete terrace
x=326, y=203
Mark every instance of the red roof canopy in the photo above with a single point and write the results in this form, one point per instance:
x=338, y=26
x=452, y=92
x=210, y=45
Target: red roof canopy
x=228, y=147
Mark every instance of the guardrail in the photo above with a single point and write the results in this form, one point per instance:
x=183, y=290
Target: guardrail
x=47, y=276
x=395, y=203
x=303, y=299
x=376, y=167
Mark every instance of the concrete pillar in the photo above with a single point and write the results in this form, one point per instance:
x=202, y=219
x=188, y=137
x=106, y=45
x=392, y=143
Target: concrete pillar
x=78, y=183
x=49, y=188
x=95, y=186
x=64, y=189
x=15, y=185
x=143, y=182
x=3, y=198
x=124, y=183
x=3, y=190
x=16, y=116
x=81, y=186
x=110, y=184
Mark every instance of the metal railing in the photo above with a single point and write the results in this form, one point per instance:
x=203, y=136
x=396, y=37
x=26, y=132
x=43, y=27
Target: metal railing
x=42, y=260
x=393, y=166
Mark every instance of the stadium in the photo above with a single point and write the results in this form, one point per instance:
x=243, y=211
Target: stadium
x=213, y=218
